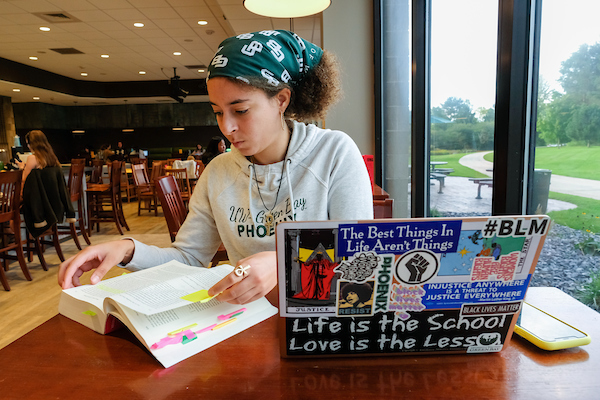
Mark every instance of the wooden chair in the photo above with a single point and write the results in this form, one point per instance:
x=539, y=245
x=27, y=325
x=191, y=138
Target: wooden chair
x=199, y=168
x=181, y=177
x=37, y=245
x=105, y=203
x=75, y=185
x=145, y=190
x=170, y=161
x=36, y=241
x=97, y=171
x=172, y=203
x=10, y=218
x=127, y=184
x=383, y=208
x=175, y=211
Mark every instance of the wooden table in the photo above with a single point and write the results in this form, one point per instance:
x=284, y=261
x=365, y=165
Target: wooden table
x=62, y=359
x=379, y=193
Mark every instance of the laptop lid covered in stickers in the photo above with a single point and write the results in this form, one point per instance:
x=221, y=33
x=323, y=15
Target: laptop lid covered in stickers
x=396, y=286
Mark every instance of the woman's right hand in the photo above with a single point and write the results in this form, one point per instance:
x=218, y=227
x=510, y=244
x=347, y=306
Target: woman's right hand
x=101, y=257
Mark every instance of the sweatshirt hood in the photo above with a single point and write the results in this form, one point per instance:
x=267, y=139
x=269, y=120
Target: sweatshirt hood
x=268, y=177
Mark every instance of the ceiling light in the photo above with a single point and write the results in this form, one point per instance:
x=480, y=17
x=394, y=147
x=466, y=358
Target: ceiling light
x=104, y=56
x=84, y=74
x=33, y=58
x=200, y=70
x=16, y=90
x=36, y=98
x=127, y=130
x=138, y=25
x=142, y=72
x=44, y=28
x=176, y=53
x=286, y=8
x=202, y=22
x=78, y=131
x=179, y=129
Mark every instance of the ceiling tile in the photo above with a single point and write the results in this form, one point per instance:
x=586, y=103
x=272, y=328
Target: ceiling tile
x=111, y=4
x=155, y=13
x=27, y=18
x=91, y=15
x=149, y=3
x=9, y=8
x=36, y=5
x=196, y=12
x=107, y=26
x=73, y=5
x=126, y=14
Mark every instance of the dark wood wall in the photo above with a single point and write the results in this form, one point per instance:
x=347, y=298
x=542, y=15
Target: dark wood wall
x=152, y=124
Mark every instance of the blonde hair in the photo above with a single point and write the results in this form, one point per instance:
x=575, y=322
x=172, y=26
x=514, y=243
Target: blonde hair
x=38, y=144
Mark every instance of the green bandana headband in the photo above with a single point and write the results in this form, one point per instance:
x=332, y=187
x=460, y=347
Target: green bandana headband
x=277, y=56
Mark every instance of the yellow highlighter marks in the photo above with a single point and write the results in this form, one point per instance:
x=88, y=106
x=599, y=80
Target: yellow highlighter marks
x=229, y=321
x=199, y=296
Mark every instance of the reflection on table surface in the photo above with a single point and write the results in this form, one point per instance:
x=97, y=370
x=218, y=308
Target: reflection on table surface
x=72, y=361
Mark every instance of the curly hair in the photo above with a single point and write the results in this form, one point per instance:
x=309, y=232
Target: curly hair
x=313, y=96
x=38, y=144
x=364, y=291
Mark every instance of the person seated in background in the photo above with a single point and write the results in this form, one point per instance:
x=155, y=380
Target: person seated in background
x=215, y=147
x=105, y=153
x=120, y=152
x=46, y=200
x=198, y=152
x=87, y=155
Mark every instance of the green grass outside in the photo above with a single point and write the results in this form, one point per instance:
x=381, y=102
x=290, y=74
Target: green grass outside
x=585, y=217
x=459, y=170
x=574, y=161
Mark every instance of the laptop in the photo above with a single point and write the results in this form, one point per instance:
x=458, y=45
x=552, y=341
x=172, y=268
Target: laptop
x=404, y=286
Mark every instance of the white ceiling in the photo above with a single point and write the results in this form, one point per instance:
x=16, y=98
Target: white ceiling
x=106, y=27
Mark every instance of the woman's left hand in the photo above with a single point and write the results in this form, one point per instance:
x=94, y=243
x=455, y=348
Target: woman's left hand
x=261, y=278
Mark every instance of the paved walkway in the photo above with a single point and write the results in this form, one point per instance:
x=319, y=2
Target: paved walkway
x=459, y=196
x=558, y=183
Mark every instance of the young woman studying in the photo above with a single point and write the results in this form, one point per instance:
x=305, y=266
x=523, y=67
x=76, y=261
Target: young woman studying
x=261, y=86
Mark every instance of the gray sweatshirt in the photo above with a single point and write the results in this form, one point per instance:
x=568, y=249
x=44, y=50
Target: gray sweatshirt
x=322, y=177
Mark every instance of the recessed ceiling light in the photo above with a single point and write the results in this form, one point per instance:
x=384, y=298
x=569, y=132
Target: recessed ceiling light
x=33, y=58
x=286, y=9
x=16, y=90
x=142, y=72
x=36, y=98
x=138, y=25
x=179, y=129
x=176, y=53
x=44, y=28
x=200, y=70
x=78, y=131
x=84, y=74
x=202, y=22
x=104, y=56
x=127, y=130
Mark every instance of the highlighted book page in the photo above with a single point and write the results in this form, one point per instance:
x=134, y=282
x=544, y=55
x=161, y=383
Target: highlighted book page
x=152, y=290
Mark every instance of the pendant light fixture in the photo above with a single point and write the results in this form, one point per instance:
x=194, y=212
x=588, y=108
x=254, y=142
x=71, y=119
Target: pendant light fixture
x=286, y=8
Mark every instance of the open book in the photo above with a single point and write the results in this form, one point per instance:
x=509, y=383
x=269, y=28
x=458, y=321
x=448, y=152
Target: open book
x=166, y=307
